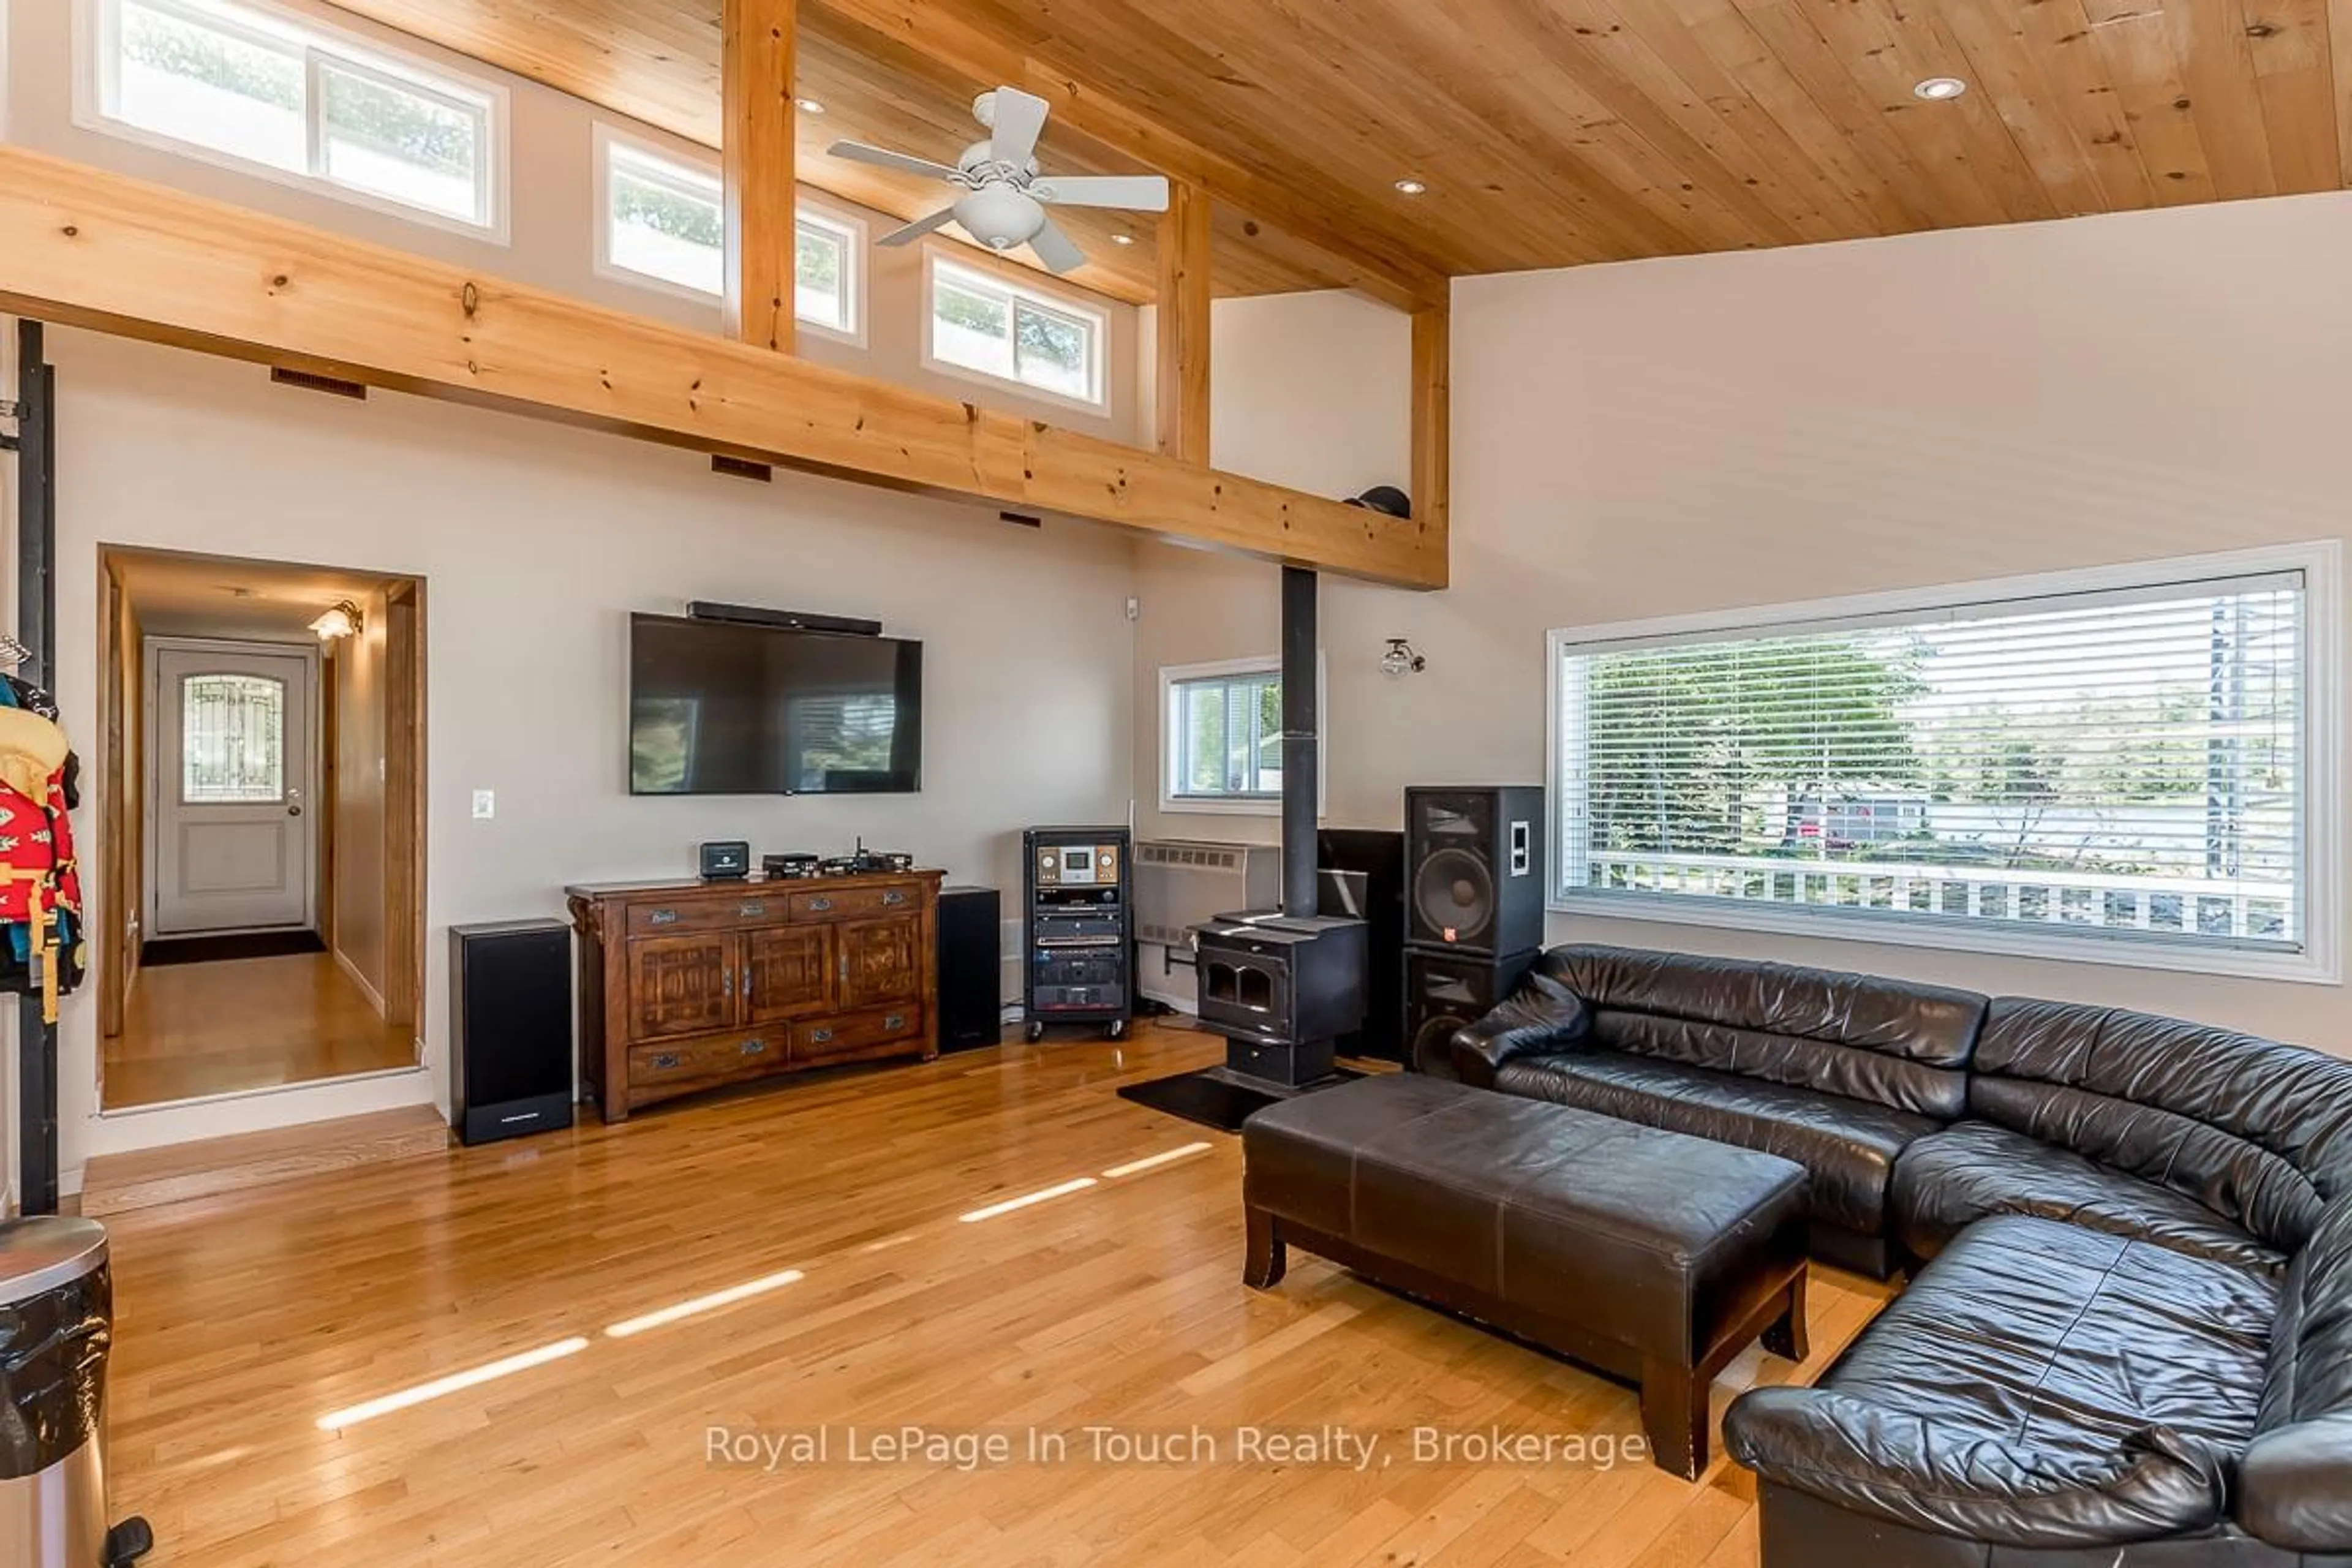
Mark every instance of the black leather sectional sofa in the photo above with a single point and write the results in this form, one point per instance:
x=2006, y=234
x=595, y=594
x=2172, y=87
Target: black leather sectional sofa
x=2127, y=1341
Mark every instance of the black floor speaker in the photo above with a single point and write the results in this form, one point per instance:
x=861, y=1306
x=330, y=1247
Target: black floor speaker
x=1475, y=867
x=509, y=1030
x=1362, y=877
x=1445, y=990
x=971, y=969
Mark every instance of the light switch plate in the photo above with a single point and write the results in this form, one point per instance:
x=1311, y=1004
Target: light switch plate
x=486, y=804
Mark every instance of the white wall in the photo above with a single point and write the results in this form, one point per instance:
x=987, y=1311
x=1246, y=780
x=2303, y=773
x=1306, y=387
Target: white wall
x=553, y=217
x=536, y=541
x=1666, y=436
x=1313, y=391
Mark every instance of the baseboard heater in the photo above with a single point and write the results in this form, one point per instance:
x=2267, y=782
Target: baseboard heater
x=1181, y=882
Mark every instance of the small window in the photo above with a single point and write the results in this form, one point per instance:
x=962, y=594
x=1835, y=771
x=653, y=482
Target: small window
x=2116, y=766
x=666, y=219
x=986, y=326
x=1222, y=729
x=307, y=106
x=232, y=740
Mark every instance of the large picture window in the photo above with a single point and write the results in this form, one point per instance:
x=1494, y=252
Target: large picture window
x=666, y=220
x=2117, y=765
x=254, y=89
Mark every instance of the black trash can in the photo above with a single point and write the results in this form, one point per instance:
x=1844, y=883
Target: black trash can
x=56, y=1324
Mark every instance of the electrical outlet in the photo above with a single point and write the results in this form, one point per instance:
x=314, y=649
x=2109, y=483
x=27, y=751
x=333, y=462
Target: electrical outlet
x=486, y=804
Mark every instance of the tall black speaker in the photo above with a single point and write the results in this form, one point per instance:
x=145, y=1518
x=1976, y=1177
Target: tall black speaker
x=1475, y=867
x=972, y=974
x=509, y=1030
x=1445, y=990
x=1362, y=872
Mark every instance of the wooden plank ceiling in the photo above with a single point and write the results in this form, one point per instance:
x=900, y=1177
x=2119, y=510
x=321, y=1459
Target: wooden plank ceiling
x=1550, y=133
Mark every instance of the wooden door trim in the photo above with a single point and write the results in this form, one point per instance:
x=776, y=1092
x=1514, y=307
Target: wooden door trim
x=403, y=807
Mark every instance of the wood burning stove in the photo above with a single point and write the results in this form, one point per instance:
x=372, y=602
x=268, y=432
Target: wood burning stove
x=1283, y=986
x=1282, y=990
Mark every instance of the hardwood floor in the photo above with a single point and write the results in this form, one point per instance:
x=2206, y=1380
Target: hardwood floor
x=194, y=1029
x=245, y=1318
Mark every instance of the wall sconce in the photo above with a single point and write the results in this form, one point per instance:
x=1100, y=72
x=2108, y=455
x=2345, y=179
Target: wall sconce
x=342, y=621
x=1403, y=659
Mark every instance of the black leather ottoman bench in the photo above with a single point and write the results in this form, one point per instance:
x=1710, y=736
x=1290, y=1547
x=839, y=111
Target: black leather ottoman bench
x=1654, y=1257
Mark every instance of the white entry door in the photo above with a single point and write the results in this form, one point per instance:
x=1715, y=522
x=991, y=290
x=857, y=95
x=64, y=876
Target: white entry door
x=234, y=839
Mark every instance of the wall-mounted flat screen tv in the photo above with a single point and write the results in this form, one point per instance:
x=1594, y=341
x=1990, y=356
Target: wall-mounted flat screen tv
x=720, y=708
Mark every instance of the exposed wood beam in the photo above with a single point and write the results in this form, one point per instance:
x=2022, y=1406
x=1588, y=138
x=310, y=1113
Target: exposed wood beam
x=1183, y=323
x=91, y=248
x=1433, y=422
x=756, y=48
x=1384, y=270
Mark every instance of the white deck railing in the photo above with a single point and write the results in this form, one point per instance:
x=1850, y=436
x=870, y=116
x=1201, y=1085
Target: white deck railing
x=2210, y=906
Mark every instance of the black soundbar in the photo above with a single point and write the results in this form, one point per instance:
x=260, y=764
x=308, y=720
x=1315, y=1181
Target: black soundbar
x=787, y=620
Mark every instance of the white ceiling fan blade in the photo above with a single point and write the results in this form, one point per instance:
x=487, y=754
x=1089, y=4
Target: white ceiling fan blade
x=1018, y=120
x=1134, y=193
x=917, y=229
x=882, y=157
x=1055, y=248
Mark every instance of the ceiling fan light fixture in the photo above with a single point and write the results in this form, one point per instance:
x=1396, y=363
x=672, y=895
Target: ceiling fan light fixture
x=1412, y=187
x=1001, y=216
x=1941, y=88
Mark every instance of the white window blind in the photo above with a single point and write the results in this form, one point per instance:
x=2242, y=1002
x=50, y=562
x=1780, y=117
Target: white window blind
x=2128, y=765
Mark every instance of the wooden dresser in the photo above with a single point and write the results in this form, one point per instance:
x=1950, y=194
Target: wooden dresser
x=685, y=986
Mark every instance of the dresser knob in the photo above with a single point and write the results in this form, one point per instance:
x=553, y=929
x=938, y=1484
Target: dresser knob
x=820, y=905
x=754, y=1047
x=664, y=1062
x=752, y=909
x=894, y=1021
x=894, y=898
x=663, y=918
x=820, y=1037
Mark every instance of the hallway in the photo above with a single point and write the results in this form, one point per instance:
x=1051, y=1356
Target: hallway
x=196, y=1029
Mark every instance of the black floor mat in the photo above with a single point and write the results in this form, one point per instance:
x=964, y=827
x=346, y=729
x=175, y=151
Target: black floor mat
x=1215, y=1097
x=217, y=949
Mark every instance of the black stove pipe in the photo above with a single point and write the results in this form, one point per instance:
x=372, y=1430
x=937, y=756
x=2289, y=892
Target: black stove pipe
x=1301, y=744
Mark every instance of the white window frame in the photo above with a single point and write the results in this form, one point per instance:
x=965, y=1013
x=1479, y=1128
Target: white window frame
x=1174, y=675
x=964, y=275
x=704, y=171
x=96, y=59
x=2321, y=960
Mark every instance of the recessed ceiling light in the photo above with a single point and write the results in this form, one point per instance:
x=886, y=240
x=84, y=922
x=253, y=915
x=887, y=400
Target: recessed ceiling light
x=1411, y=188
x=808, y=106
x=1122, y=239
x=1937, y=88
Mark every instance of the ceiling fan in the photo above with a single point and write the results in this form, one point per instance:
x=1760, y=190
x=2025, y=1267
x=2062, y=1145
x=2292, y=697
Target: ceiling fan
x=1004, y=200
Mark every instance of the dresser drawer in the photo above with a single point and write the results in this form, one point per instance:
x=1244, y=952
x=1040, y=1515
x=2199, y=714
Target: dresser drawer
x=708, y=1058
x=858, y=903
x=751, y=907
x=885, y=1031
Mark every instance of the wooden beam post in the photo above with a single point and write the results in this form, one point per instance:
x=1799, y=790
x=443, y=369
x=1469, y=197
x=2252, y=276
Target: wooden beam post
x=1433, y=422
x=83, y=247
x=756, y=75
x=1184, y=301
